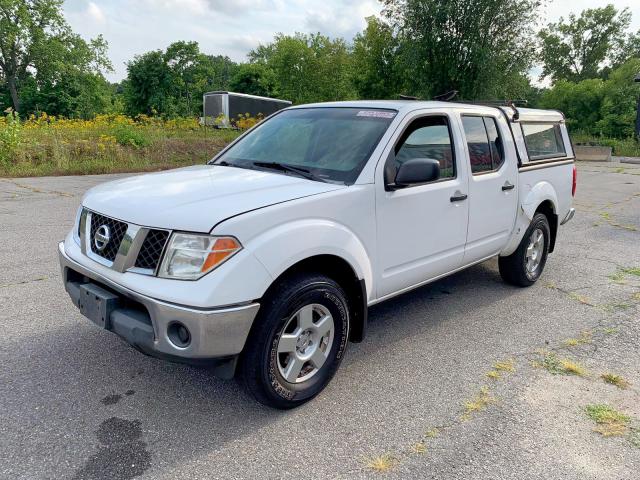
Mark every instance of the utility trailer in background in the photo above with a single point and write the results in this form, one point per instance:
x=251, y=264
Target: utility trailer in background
x=229, y=105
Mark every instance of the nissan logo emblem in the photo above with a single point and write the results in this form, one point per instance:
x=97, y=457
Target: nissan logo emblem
x=102, y=237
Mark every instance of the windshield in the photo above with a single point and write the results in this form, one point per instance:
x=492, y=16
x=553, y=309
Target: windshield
x=332, y=144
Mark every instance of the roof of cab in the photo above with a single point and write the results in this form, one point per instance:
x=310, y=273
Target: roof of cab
x=525, y=114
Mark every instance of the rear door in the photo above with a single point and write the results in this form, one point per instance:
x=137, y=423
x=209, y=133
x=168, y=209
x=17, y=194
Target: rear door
x=493, y=180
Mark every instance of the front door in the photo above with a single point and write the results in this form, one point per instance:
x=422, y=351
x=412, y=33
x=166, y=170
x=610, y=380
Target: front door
x=421, y=230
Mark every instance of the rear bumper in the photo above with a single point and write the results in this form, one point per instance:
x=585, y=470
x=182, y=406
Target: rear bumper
x=569, y=216
x=144, y=322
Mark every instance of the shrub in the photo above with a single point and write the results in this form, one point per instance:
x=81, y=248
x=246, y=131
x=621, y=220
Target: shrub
x=127, y=135
x=10, y=137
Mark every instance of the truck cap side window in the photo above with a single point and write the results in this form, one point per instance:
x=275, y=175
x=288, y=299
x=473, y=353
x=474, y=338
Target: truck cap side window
x=426, y=137
x=543, y=140
x=486, y=152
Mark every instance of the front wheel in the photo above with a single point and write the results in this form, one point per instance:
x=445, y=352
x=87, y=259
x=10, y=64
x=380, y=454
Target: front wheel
x=524, y=266
x=298, y=341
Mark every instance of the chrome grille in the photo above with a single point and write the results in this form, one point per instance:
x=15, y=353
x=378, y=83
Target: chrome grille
x=151, y=249
x=117, y=230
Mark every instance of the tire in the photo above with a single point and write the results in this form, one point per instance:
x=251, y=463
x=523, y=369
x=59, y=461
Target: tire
x=302, y=320
x=517, y=269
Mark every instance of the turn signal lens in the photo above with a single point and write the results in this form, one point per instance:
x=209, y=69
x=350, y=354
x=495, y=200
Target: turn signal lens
x=222, y=249
x=575, y=181
x=190, y=256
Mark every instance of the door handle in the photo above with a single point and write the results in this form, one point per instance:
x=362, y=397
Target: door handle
x=508, y=186
x=458, y=197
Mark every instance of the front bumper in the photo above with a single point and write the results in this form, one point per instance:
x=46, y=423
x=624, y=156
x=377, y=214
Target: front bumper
x=144, y=322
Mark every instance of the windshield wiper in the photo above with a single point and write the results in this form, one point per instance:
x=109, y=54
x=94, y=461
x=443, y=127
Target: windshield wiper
x=283, y=167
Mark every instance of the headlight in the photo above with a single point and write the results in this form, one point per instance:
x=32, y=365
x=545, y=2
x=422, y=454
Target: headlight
x=189, y=256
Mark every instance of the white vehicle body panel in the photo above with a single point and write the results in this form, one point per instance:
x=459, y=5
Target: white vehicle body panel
x=420, y=232
x=194, y=199
x=492, y=210
x=393, y=240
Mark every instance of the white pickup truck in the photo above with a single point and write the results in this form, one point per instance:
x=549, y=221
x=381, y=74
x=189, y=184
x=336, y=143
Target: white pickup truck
x=264, y=261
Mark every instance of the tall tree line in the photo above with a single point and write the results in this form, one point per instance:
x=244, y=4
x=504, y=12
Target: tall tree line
x=485, y=49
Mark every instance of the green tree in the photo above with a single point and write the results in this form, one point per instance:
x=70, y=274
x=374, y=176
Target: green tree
x=619, y=104
x=172, y=82
x=149, y=84
x=482, y=48
x=308, y=68
x=596, y=106
x=36, y=44
x=254, y=79
x=580, y=102
x=375, y=53
x=579, y=48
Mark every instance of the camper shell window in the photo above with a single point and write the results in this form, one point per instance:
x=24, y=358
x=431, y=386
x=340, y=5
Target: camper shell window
x=543, y=141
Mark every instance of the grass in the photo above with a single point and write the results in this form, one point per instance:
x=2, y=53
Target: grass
x=617, y=380
x=419, y=448
x=501, y=367
x=382, y=463
x=632, y=271
x=477, y=404
x=432, y=433
x=617, y=277
x=581, y=298
x=107, y=144
x=584, y=338
x=505, y=366
x=609, y=330
x=609, y=421
x=560, y=366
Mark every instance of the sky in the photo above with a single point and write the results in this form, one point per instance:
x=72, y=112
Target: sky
x=234, y=27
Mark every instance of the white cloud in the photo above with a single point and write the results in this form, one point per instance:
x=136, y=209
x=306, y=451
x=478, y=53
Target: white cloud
x=233, y=27
x=95, y=13
x=341, y=18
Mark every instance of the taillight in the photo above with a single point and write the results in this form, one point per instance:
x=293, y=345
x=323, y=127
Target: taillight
x=575, y=181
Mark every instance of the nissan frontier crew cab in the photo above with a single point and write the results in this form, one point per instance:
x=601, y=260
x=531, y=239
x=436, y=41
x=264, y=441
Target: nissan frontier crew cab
x=263, y=262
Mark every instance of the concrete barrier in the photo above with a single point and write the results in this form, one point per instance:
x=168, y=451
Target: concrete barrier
x=592, y=153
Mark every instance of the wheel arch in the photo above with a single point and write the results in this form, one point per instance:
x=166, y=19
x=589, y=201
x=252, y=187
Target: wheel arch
x=343, y=273
x=548, y=209
x=543, y=198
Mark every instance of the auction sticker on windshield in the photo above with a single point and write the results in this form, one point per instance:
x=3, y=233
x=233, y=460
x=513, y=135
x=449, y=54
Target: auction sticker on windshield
x=376, y=114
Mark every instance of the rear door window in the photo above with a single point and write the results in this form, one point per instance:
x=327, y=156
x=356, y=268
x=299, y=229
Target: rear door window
x=543, y=140
x=478, y=144
x=486, y=152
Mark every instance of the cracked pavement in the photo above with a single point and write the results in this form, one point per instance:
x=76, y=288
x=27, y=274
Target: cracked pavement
x=76, y=402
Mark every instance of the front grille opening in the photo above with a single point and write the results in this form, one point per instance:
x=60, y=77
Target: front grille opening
x=151, y=249
x=117, y=230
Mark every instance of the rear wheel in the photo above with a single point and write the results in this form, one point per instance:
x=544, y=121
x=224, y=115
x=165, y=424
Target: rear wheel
x=298, y=342
x=524, y=266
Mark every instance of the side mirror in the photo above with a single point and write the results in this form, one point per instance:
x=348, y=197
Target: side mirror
x=417, y=171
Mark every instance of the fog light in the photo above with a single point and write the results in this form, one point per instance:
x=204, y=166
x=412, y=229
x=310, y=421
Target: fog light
x=179, y=335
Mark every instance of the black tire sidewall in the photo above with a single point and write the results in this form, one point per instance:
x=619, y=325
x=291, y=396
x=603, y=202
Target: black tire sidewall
x=539, y=221
x=286, y=301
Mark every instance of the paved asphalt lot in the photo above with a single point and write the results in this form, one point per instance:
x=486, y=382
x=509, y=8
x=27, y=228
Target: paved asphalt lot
x=76, y=402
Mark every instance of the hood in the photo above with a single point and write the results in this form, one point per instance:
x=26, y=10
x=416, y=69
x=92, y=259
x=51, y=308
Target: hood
x=196, y=198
